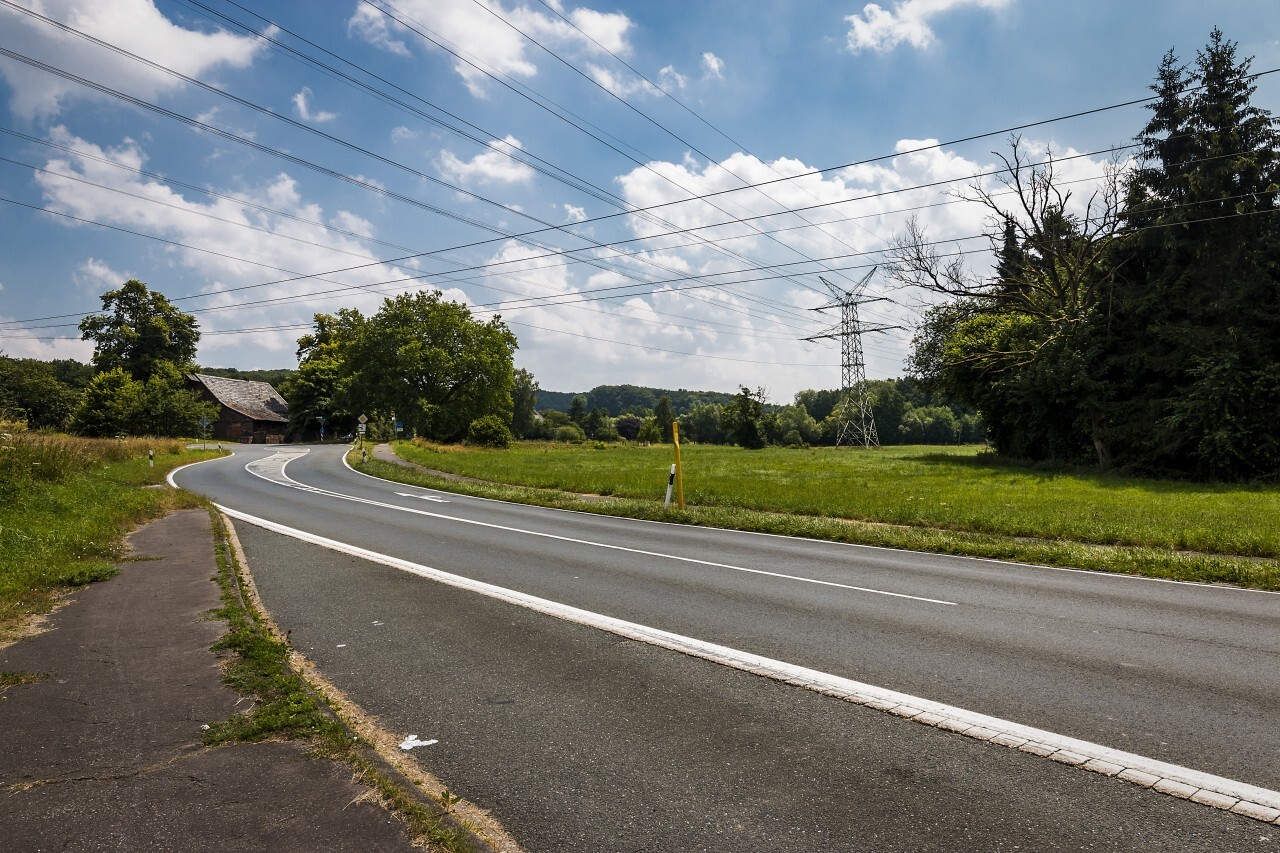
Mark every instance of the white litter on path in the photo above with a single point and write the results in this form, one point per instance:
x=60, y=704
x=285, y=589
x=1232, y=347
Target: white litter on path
x=412, y=740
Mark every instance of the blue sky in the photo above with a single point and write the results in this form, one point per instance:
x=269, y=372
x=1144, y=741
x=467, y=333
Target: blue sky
x=319, y=195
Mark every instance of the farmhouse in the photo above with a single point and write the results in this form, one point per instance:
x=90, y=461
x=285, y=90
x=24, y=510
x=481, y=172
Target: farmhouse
x=248, y=412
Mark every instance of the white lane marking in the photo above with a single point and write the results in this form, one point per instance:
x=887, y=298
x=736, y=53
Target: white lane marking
x=1216, y=791
x=276, y=474
x=730, y=530
x=424, y=497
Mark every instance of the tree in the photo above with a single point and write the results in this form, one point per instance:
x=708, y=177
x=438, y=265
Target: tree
x=1198, y=307
x=114, y=403
x=140, y=329
x=430, y=362
x=628, y=426
x=524, y=400
x=665, y=416
x=106, y=407
x=318, y=388
x=598, y=426
x=1026, y=347
x=578, y=409
x=741, y=419
x=702, y=424
x=30, y=390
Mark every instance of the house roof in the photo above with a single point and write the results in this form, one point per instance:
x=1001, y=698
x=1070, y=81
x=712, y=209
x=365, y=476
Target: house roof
x=257, y=400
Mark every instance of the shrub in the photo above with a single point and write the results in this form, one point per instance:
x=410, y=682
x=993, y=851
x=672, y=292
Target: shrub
x=571, y=434
x=489, y=431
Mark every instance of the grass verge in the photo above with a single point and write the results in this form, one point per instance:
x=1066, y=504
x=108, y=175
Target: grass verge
x=1147, y=561
x=285, y=707
x=65, y=507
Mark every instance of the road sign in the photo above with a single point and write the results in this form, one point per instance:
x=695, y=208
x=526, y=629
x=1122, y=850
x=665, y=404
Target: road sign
x=399, y=426
x=360, y=429
x=363, y=419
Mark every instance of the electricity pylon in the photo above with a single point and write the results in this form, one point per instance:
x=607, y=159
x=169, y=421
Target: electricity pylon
x=857, y=423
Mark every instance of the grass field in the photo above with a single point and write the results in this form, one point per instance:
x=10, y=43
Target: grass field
x=953, y=500
x=66, y=503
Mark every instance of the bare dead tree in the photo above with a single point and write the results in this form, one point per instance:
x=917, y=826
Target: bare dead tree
x=1067, y=255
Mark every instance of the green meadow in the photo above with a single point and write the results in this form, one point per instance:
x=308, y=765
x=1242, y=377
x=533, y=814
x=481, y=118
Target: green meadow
x=953, y=500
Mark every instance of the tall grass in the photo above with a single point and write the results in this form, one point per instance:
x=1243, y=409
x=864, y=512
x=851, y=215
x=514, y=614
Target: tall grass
x=65, y=505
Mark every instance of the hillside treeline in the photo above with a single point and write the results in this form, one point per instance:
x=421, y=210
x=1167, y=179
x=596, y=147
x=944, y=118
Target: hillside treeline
x=905, y=413
x=1138, y=328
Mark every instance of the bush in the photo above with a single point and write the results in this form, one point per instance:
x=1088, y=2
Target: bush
x=571, y=434
x=489, y=431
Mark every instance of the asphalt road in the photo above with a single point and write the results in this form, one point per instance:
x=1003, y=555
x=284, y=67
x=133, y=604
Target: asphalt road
x=579, y=740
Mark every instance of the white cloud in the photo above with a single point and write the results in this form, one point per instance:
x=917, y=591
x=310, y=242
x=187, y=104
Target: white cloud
x=609, y=29
x=712, y=65
x=403, y=134
x=619, y=86
x=487, y=167
x=574, y=214
x=135, y=25
x=273, y=248
x=470, y=28
x=882, y=30
x=95, y=277
x=302, y=108
x=670, y=78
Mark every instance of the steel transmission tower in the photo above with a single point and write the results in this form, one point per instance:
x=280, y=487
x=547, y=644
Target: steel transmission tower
x=857, y=424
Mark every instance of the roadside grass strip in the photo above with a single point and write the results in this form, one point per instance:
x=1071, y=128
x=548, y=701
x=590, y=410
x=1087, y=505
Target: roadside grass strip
x=285, y=706
x=1214, y=791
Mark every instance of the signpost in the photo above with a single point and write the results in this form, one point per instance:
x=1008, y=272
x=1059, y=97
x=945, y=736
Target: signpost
x=363, y=419
x=204, y=432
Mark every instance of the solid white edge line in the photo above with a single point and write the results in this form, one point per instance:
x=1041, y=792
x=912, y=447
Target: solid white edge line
x=169, y=477
x=992, y=560
x=1182, y=782
x=296, y=484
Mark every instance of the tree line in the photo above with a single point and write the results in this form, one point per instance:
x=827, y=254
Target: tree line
x=906, y=412
x=1137, y=328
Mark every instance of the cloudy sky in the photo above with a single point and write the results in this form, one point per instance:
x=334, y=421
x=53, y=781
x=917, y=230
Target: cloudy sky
x=646, y=191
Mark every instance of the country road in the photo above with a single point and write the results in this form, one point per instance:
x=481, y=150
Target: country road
x=581, y=739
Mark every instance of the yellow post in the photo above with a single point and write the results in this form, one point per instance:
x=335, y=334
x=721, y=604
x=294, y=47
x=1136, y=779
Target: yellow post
x=675, y=437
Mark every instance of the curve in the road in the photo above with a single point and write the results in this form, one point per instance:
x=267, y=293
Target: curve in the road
x=1215, y=791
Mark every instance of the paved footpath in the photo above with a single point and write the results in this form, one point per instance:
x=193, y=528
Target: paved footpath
x=105, y=753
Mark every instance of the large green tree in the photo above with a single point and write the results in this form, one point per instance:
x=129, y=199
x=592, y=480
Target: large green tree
x=139, y=329
x=1197, y=311
x=429, y=361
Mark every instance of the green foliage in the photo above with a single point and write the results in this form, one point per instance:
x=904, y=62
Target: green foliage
x=116, y=404
x=578, y=409
x=37, y=391
x=427, y=360
x=524, y=399
x=1197, y=312
x=489, y=431
x=570, y=434
x=741, y=419
x=665, y=416
x=650, y=432
x=701, y=423
x=108, y=405
x=598, y=426
x=139, y=330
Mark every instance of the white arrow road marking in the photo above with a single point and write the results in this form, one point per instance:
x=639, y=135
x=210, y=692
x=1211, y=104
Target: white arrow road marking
x=424, y=497
x=273, y=471
x=1216, y=791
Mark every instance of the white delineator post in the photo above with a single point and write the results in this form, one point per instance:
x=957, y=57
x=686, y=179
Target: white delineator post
x=671, y=481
